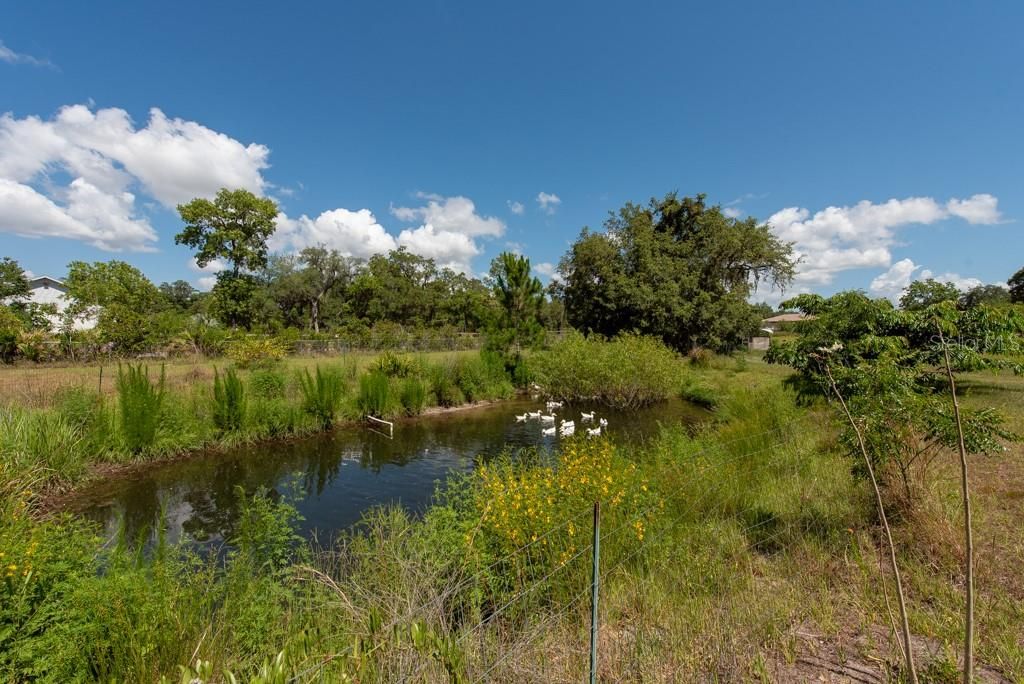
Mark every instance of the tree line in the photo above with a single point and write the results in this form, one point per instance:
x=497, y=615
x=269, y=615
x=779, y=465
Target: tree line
x=676, y=268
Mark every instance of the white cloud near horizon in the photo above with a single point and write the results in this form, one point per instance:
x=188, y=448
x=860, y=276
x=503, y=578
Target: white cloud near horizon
x=516, y=208
x=837, y=239
x=112, y=164
x=549, y=202
x=893, y=282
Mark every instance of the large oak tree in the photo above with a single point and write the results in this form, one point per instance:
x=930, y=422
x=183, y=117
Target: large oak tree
x=675, y=268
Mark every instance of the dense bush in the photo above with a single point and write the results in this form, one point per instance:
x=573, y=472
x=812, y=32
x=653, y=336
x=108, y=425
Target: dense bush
x=139, y=403
x=256, y=352
x=627, y=372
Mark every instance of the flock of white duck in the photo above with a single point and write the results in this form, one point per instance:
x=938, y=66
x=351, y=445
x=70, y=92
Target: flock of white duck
x=550, y=425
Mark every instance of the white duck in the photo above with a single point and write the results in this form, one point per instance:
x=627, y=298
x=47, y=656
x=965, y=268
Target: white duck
x=548, y=419
x=594, y=432
x=587, y=416
x=553, y=405
x=522, y=418
x=603, y=422
x=567, y=428
x=549, y=432
x=533, y=414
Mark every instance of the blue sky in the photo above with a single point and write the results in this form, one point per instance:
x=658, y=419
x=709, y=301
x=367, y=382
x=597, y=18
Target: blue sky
x=379, y=124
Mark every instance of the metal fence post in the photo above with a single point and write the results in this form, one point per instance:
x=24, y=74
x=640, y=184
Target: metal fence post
x=595, y=577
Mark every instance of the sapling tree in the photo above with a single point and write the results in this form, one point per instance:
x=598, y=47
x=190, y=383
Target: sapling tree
x=894, y=373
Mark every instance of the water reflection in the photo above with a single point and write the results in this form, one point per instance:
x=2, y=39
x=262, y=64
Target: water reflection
x=339, y=475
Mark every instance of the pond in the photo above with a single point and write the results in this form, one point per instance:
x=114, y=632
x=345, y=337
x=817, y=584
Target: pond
x=341, y=474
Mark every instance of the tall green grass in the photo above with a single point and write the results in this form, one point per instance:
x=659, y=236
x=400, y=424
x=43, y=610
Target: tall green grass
x=322, y=394
x=375, y=397
x=228, y=401
x=139, y=403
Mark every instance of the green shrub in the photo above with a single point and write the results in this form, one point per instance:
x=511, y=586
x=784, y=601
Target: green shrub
x=228, y=401
x=139, y=403
x=256, y=352
x=483, y=377
x=267, y=383
x=444, y=386
x=374, y=395
x=396, y=366
x=322, y=393
x=627, y=372
x=413, y=396
x=10, y=330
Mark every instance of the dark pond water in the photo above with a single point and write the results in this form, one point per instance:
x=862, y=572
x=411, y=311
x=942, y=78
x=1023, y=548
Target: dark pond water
x=341, y=474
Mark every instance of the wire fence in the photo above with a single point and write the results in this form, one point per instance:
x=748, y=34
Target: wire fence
x=501, y=644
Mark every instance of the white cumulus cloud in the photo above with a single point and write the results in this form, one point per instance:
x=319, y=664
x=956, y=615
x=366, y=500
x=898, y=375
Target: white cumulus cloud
x=448, y=248
x=353, y=233
x=548, y=202
x=516, y=208
x=895, y=280
x=546, y=269
x=111, y=164
x=837, y=239
x=453, y=215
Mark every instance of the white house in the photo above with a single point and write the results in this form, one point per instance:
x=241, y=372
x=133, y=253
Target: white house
x=47, y=290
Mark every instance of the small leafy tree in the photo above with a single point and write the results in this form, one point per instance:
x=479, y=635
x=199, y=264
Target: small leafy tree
x=893, y=373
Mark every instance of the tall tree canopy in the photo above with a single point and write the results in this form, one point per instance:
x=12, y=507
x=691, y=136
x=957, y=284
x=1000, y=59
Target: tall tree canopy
x=677, y=269
x=234, y=226
x=984, y=294
x=110, y=283
x=921, y=294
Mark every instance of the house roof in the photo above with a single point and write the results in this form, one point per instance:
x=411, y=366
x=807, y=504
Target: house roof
x=787, y=318
x=40, y=279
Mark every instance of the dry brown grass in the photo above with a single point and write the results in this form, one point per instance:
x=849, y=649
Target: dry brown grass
x=40, y=386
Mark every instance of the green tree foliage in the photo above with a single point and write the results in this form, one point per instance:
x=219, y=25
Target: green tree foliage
x=234, y=226
x=1016, y=285
x=921, y=294
x=676, y=269
x=889, y=364
x=325, y=271
x=13, y=283
x=992, y=295
x=521, y=298
x=180, y=294
x=108, y=283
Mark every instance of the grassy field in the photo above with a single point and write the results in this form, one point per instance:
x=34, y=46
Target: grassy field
x=40, y=386
x=747, y=552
